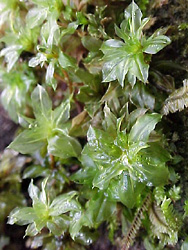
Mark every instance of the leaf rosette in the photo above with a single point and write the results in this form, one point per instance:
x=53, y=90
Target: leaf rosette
x=130, y=57
x=123, y=163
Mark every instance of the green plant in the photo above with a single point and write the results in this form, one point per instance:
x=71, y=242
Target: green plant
x=45, y=213
x=93, y=126
x=127, y=57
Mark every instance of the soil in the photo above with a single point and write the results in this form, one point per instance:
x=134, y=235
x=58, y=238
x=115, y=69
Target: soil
x=7, y=129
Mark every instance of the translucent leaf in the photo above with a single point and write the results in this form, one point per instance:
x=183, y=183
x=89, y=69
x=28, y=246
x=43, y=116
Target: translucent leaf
x=66, y=61
x=78, y=221
x=154, y=175
x=105, y=174
x=64, y=146
x=110, y=120
x=99, y=209
x=22, y=216
x=63, y=204
x=58, y=225
x=121, y=33
x=125, y=190
x=154, y=44
x=11, y=55
x=29, y=141
x=39, y=59
x=54, y=33
x=62, y=113
x=91, y=43
x=107, y=156
x=34, y=191
x=139, y=67
x=43, y=194
x=34, y=171
x=112, y=43
x=31, y=230
x=143, y=127
x=141, y=96
x=85, y=175
x=133, y=13
x=42, y=104
x=41, y=221
x=36, y=16
x=133, y=116
x=25, y=121
x=70, y=29
x=50, y=73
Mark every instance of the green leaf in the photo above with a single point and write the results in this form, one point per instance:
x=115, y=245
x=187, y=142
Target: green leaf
x=186, y=208
x=22, y=216
x=106, y=155
x=174, y=193
x=36, y=16
x=125, y=189
x=134, y=14
x=45, y=213
x=143, y=127
x=11, y=55
x=41, y=220
x=34, y=171
x=50, y=32
x=155, y=43
x=40, y=58
x=99, y=209
x=105, y=174
x=42, y=104
x=31, y=230
x=43, y=194
x=34, y=191
x=139, y=67
x=63, y=204
x=58, y=225
x=70, y=29
x=50, y=72
x=48, y=129
x=133, y=116
x=155, y=175
x=141, y=96
x=64, y=146
x=79, y=220
x=62, y=113
x=29, y=141
x=66, y=61
x=110, y=121
x=85, y=175
x=16, y=87
x=81, y=19
x=24, y=121
x=91, y=43
x=118, y=61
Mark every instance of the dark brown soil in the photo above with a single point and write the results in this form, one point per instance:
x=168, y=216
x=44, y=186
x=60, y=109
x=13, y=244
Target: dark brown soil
x=7, y=129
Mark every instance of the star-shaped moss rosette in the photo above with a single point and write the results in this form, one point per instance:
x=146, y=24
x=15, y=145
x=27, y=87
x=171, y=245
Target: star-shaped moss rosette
x=45, y=213
x=122, y=163
x=48, y=129
x=130, y=56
